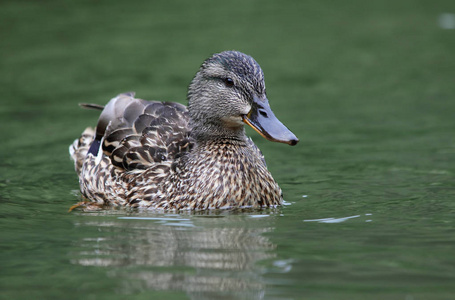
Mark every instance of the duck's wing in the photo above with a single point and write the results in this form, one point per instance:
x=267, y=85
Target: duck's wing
x=136, y=133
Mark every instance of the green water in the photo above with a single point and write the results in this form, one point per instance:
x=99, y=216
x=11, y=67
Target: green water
x=368, y=87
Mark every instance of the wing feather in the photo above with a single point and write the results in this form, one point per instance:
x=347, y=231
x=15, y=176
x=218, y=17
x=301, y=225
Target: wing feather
x=137, y=134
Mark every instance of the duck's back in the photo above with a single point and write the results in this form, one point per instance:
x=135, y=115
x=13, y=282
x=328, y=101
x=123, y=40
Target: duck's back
x=136, y=133
x=131, y=135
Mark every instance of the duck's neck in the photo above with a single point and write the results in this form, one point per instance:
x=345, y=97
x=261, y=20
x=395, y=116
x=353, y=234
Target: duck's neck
x=212, y=132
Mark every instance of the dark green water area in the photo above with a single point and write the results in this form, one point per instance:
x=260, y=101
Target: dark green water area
x=367, y=86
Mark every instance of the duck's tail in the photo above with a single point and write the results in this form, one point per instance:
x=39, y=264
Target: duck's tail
x=79, y=148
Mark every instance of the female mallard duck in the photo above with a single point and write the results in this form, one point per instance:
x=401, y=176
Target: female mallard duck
x=162, y=155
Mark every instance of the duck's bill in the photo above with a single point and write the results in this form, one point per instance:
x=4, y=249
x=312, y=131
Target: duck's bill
x=263, y=120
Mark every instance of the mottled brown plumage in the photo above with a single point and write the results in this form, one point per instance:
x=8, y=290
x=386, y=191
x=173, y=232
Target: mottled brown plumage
x=162, y=155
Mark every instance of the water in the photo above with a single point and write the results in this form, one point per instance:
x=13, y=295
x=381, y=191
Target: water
x=369, y=190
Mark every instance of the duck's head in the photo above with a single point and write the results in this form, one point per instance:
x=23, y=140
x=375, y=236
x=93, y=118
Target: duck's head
x=229, y=91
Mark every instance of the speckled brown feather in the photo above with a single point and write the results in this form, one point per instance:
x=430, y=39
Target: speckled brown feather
x=155, y=168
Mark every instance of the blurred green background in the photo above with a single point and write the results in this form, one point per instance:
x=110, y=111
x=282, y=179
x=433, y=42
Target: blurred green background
x=368, y=87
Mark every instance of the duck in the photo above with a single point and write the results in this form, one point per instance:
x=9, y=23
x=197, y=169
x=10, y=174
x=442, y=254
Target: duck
x=168, y=156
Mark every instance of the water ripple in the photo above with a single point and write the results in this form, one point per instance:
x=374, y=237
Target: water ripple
x=337, y=220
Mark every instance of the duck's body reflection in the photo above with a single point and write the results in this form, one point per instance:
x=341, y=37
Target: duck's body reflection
x=204, y=256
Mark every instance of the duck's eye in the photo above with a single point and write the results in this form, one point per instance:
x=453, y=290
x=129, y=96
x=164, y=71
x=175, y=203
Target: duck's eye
x=229, y=82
